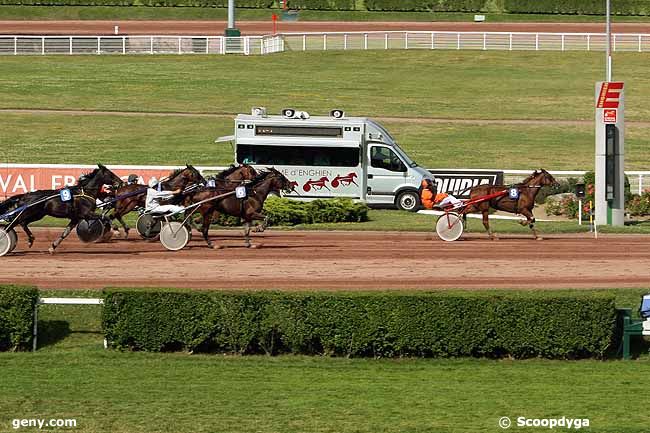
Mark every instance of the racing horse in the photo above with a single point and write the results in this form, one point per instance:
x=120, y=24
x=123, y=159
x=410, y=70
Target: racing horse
x=527, y=191
x=248, y=209
x=134, y=195
x=80, y=204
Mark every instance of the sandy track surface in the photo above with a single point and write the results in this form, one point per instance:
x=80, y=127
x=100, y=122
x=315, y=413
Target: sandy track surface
x=337, y=261
x=265, y=27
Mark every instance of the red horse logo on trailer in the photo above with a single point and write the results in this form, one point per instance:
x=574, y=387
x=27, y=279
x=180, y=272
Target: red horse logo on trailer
x=344, y=180
x=316, y=184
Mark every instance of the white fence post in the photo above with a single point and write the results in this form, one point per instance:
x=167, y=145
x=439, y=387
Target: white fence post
x=458, y=41
x=510, y=46
x=385, y=41
x=345, y=41
x=640, y=184
x=15, y=45
x=123, y=44
x=639, y=43
x=536, y=41
x=562, y=41
x=484, y=41
x=588, y=42
x=365, y=41
x=70, y=41
x=99, y=45
x=324, y=41
x=43, y=45
x=179, y=46
x=304, y=42
x=433, y=42
x=151, y=45
x=406, y=41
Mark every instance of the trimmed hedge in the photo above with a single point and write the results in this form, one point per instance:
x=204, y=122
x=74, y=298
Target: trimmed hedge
x=16, y=317
x=326, y=5
x=427, y=5
x=581, y=7
x=520, y=325
x=284, y=211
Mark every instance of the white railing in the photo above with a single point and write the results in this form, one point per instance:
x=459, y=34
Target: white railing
x=248, y=45
x=509, y=41
x=46, y=45
x=636, y=178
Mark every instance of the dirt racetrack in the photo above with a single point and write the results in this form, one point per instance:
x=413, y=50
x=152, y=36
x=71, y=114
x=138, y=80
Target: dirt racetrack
x=215, y=28
x=336, y=260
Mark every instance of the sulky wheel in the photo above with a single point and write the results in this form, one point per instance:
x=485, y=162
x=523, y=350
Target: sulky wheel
x=90, y=230
x=449, y=226
x=7, y=242
x=174, y=235
x=13, y=237
x=148, y=226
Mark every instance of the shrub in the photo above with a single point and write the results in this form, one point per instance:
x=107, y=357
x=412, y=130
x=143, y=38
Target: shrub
x=562, y=204
x=284, y=211
x=639, y=205
x=520, y=325
x=16, y=317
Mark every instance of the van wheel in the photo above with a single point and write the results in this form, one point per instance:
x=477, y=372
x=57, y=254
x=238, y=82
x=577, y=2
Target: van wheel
x=408, y=201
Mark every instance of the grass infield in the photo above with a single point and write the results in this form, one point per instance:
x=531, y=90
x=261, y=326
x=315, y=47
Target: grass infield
x=476, y=86
x=71, y=376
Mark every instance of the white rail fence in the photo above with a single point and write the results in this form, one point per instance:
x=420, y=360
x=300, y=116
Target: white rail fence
x=251, y=45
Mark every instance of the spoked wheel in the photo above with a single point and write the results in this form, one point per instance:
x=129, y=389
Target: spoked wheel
x=449, y=226
x=148, y=226
x=90, y=230
x=174, y=236
x=8, y=240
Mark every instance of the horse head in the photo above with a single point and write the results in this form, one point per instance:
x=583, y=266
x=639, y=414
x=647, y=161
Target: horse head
x=545, y=178
x=99, y=177
x=279, y=181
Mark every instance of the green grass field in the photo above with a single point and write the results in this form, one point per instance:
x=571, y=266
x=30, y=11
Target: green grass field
x=422, y=84
x=71, y=376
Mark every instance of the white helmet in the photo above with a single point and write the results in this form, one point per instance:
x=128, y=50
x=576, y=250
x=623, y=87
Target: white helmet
x=153, y=182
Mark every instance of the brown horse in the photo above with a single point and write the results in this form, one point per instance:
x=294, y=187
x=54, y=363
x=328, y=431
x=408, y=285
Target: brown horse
x=527, y=191
x=248, y=209
x=135, y=194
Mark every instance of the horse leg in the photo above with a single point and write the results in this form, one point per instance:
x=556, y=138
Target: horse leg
x=30, y=236
x=486, y=224
x=247, y=233
x=64, y=235
x=530, y=220
x=124, y=225
x=207, y=218
x=261, y=227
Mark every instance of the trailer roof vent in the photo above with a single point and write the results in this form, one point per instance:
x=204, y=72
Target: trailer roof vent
x=337, y=114
x=258, y=111
x=292, y=113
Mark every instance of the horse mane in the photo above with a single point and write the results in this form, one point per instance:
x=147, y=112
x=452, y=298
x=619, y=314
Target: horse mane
x=261, y=176
x=226, y=172
x=175, y=173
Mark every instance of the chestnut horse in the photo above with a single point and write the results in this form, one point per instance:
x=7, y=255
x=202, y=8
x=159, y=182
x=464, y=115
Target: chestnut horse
x=135, y=194
x=248, y=209
x=527, y=191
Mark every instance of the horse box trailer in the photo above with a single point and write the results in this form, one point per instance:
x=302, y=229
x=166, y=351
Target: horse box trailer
x=330, y=156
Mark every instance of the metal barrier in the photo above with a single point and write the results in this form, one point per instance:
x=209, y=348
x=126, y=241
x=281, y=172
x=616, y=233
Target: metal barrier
x=249, y=45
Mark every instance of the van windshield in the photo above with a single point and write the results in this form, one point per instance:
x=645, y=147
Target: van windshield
x=389, y=140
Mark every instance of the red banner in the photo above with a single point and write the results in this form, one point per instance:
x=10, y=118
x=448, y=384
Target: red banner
x=19, y=179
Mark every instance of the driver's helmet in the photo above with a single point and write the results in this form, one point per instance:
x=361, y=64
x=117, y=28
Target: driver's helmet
x=132, y=179
x=153, y=182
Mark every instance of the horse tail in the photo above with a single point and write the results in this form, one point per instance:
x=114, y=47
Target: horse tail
x=10, y=203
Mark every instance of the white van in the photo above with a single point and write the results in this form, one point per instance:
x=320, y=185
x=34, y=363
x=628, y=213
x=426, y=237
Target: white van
x=330, y=156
